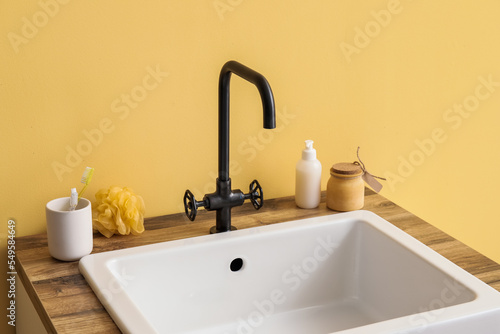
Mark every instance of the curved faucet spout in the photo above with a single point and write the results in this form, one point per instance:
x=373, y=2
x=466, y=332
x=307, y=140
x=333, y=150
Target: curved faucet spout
x=266, y=95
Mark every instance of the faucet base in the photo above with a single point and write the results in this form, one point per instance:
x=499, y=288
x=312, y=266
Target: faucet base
x=214, y=230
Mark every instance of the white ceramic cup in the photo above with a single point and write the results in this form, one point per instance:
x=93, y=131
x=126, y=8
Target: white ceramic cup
x=69, y=233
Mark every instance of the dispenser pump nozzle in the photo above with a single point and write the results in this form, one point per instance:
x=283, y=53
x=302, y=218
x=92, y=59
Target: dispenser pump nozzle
x=309, y=153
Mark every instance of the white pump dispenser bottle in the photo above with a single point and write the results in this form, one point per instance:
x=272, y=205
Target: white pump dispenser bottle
x=308, y=179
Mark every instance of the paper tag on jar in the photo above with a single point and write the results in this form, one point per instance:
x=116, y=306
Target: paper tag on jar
x=372, y=182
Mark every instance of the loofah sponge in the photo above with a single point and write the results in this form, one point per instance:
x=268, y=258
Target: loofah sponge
x=118, y=211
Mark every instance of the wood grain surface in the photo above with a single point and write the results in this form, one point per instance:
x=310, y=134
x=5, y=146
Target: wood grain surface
x=66, y=303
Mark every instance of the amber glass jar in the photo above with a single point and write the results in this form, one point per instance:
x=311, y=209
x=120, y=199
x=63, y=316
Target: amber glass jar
x=346, y=189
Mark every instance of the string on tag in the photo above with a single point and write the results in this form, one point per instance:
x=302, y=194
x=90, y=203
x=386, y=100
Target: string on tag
x=367, y=177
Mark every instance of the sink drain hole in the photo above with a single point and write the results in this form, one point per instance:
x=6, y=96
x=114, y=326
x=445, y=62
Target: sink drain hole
x=236, y=264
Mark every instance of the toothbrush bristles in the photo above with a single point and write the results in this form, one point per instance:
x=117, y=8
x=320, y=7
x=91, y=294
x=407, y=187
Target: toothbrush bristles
x=87, y=175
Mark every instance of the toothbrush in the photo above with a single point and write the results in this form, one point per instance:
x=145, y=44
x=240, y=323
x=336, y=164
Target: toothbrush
x=73, y=200
x=75, y=197
x=86, y=178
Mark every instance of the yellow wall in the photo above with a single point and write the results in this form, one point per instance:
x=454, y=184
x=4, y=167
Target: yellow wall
x=415, y=83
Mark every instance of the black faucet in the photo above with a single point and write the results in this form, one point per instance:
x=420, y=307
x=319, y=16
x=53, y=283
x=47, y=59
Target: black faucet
x=223, y=199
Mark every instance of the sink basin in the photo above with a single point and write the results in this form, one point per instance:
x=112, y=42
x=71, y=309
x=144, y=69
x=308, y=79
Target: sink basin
x=347, y=273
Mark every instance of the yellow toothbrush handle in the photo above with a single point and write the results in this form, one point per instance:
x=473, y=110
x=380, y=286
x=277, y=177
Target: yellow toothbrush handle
x=81, y=191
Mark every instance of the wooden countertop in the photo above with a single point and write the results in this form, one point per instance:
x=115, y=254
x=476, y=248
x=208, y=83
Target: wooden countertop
x=66, y=303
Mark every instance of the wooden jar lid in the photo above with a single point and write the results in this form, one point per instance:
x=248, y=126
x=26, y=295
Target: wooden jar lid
x=346, y=168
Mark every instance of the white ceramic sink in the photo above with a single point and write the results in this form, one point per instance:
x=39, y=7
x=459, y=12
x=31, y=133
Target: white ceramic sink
x=348, y=273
